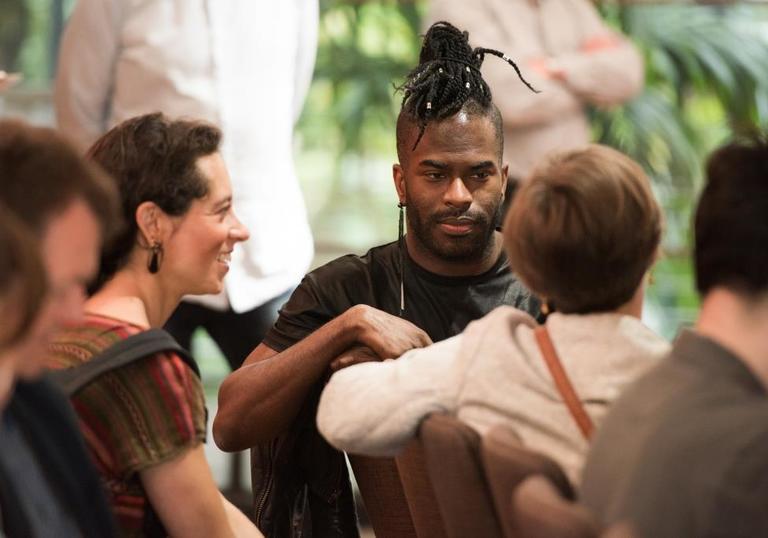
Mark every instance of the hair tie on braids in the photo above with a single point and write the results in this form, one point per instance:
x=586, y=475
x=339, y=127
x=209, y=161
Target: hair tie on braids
x=448, y=76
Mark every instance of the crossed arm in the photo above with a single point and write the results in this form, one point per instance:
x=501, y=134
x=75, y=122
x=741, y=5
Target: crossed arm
x=375, y=409
x=260, y=400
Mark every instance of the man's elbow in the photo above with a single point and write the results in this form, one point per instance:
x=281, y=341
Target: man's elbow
x=225, y=433
x=242, y=423
x=229, y=421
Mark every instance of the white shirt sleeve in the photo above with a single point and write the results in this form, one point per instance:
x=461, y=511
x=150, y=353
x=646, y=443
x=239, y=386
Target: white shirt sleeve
x=375, y=408
x=84, y=77
x=309, y=19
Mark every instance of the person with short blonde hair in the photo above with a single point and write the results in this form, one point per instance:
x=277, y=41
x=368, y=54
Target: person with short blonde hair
x=587, y=213
x=581, y=233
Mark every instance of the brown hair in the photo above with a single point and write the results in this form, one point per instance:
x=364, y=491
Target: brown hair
x=584, y=229
x=42, y=174
x=22, y=278
x=731, y=224
x=153, y=158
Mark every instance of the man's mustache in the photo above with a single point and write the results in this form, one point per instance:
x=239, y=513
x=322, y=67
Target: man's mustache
x=470, y=216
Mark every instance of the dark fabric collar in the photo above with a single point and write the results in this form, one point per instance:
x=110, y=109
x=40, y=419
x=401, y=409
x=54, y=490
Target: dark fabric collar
x=500, y=266
x=703, y=353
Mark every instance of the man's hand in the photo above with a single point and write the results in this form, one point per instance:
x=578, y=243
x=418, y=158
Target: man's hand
x=386, y=335
x=354, y=355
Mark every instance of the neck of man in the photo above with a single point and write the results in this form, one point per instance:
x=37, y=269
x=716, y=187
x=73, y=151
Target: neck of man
x=450, y=267
x=740, y=325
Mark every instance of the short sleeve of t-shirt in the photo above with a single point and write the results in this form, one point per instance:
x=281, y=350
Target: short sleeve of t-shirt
x=143, y=414
x=300, y=316
x=322, y=295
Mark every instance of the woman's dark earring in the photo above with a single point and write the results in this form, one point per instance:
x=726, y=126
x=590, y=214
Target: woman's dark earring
x=155, y=257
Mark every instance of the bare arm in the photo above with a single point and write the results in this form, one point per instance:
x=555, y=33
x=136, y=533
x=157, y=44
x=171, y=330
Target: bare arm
x=239, y=523
x=260, y=400
x=203, y=512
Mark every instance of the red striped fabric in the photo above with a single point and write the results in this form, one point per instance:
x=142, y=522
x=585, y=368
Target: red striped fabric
x=133, y=418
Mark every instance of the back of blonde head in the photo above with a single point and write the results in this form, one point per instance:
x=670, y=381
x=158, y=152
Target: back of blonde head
x=584, y=229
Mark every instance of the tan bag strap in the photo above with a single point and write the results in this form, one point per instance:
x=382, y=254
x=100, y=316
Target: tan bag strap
x=562, y=382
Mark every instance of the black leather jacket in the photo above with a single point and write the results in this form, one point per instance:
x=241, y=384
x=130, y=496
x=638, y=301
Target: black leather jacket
x=301, y=486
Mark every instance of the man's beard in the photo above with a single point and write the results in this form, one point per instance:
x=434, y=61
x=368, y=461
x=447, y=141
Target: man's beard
x=471, y=247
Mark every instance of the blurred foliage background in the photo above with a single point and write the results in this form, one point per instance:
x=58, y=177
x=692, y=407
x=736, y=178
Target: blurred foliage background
x=706, y=80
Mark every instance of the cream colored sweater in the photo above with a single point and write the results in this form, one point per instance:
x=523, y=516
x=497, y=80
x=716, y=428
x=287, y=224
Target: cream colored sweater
x=491, y=374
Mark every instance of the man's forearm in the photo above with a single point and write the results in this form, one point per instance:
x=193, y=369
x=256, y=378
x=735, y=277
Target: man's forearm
x=259, y=401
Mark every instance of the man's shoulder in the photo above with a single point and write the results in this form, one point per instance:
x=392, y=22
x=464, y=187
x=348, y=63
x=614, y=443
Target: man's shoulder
x=676, y=413
x=351, y=265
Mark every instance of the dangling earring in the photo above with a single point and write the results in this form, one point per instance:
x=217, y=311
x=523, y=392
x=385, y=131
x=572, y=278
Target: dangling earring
x=544, y=308
x=155, y=257
x=401, y=247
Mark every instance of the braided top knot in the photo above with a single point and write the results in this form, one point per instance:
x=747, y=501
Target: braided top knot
x=448, y=76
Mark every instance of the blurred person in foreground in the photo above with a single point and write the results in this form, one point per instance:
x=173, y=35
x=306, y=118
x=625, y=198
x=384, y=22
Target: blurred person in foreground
x=447, y=270
x=582, y=234
x=145, y=421
x=683, y=452
x=573, y=57
x=48, y=486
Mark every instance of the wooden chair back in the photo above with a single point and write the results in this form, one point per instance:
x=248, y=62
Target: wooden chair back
x=452, y=451
x=506, y=463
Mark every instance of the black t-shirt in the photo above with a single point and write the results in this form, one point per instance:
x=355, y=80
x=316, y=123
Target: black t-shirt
x=301, y=460
x=441, y=306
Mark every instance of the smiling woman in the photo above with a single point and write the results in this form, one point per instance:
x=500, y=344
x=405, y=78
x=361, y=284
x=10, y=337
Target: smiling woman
x=145, y=421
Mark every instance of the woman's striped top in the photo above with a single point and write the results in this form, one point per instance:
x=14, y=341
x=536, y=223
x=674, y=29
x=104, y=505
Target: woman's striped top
x=143, y=414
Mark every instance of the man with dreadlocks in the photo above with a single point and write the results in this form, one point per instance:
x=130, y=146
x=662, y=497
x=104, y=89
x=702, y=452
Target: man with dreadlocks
x=448, y=270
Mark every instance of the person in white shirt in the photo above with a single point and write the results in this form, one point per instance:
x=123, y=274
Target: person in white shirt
x=243, y=65
x=581, y=234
